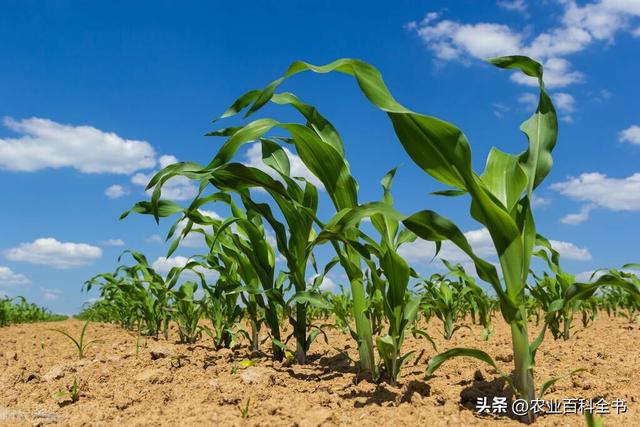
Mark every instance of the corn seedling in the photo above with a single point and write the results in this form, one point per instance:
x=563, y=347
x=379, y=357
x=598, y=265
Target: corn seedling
x=79, y=343
x=447, y=300
x=244, y=410
x=186, y=312
x=72, y=393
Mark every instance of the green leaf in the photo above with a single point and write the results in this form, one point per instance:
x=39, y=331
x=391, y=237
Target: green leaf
x=504, y=177
x=552, y=381
x=273, y=155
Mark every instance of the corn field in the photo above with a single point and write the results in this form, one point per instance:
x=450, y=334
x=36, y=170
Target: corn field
x=259, y=284
x=18, y=310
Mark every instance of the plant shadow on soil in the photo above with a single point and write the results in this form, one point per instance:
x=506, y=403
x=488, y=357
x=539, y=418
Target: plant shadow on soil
x=480, y=388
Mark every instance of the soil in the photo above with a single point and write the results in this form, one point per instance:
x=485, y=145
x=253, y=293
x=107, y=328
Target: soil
x=166, y=383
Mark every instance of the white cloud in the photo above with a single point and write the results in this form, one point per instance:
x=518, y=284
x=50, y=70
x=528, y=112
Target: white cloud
x=176, y=188
x=50, y=252
x=499, y=109
x=451, y=40
x=538, y=201
x=43, y=143
x=580, y=26
x=630, y=135
x=112, y=242
x=514, y=5
x=298, y=168
x=570, y=251
x=195, y=239
x=585, y=276
x=423, y=251
x=154, y=238
x=557, y=73
x=51, y=294
x=8, y=277
x=615, y=194
x=163, y=265
x=480, y=241
x=116, y=191
x=565, y=103
x=327, y=283
x=578, y=217
x=529, y=100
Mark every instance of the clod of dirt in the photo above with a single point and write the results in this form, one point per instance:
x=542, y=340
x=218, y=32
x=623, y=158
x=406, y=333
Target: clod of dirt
x=478, y=375
x=161, y=352
x=153, y=376
x=505, y=358
x=254, y=375
x=54, y=373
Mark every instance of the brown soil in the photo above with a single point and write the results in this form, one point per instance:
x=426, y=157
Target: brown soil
x=210, y=387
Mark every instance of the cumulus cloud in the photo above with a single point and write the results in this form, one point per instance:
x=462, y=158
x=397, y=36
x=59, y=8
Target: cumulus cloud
x=50, y=252
x=177, y=188
x=514, y=5
x=538, y=201
x=424, y=251
x=154, y=238
x=163, y=265
x=579, y=27
x=570, y=251
x=43, y=143
x=528, y=99
x=565, y=103
x=614, y=194
x=579, y=217
x=630, y=135
x=327, y=283
x=8, y=277
x=112, y=242
x=50, y=294
x=480, y=241
x=116, y=191
x=298, y=168
x=195, y=239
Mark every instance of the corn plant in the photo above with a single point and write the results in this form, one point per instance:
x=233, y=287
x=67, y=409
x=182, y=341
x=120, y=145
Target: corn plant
x=72, y=393
x=447, y=300
x=589, y=310
x=80, y=343
x=186, y=312
x=481, y=307
x=321, y=149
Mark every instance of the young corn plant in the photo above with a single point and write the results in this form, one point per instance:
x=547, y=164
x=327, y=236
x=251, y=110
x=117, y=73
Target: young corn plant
x=186, y=312
x=321, y=149
x=481, y=307
x=72, y=392
x=446, y=299
x=389, y=272
x=240, y=252
x=500, y=198
x=80, y=343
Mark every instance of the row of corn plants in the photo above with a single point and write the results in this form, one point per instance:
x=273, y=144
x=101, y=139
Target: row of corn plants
x=18, y=310
x=248, y=283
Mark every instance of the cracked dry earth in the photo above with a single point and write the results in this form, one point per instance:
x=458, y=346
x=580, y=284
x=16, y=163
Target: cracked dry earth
x=174, y=384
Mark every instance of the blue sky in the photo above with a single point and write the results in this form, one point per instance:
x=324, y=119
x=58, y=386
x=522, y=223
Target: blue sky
x=95, y=97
